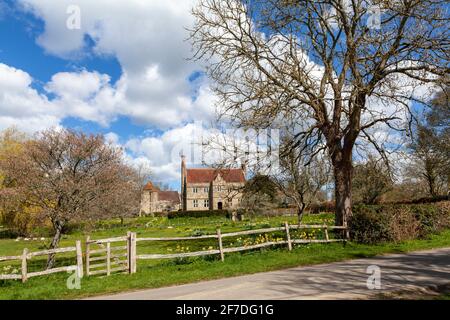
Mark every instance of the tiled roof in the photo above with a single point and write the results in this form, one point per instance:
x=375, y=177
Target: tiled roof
x=169, y=196
x=150, y=187
x=208, y=175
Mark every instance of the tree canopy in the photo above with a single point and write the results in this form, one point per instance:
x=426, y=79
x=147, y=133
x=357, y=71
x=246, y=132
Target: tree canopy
x=340, y=69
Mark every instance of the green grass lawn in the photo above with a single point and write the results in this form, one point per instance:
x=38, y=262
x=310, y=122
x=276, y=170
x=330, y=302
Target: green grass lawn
x=158, y=273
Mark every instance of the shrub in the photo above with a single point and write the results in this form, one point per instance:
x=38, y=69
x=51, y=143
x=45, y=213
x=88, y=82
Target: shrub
x=432, y=218
x=402, y=225
x=369, y=225
x=25, y=222
x=328, y=206
x=379, y=223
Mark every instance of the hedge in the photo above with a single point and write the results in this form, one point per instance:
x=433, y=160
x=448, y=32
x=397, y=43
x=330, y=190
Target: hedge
x=380, y=223
x=199, y=214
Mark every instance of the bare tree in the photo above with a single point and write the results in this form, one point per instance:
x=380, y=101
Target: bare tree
x=438, y=120
x=325, y=62
x=72, y=176
x=372, y=179
x=427, y=161
x=301, y=179
x=429, y=150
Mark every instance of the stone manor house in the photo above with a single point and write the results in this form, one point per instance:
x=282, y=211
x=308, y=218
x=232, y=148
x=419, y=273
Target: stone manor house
x=211, y=189
x=201, y=189
x=154, y=200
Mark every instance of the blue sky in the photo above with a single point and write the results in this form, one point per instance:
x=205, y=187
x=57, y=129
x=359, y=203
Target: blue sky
x=124, y=74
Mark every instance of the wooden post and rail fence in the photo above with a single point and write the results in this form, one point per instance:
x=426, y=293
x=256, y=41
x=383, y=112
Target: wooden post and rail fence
x=119, y=254
x=26, y=256
x=221, y=250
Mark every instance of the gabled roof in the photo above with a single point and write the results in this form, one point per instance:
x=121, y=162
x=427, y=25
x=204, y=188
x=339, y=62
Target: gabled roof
x=208, y=175
x=172, y=196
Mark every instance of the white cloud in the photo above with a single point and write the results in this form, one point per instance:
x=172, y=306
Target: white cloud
x=21, y=105
x=149, y=40
x=86, y=95
x=112, y=138
x=81, y=85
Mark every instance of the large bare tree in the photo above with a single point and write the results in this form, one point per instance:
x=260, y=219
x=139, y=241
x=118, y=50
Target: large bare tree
x=342, y=72
x=73, y=176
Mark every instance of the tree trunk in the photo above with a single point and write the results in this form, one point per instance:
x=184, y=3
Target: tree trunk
x=300, y=211
x=431, y=185
x=343, y=191
x=58, y=226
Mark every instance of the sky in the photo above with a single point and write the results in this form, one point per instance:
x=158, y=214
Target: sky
x=119, y=68
x=114, y=67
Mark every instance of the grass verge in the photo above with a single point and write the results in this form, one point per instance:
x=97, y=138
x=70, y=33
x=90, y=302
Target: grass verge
x=176, y=272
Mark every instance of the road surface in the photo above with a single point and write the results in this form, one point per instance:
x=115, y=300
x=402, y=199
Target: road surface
x=340, y=280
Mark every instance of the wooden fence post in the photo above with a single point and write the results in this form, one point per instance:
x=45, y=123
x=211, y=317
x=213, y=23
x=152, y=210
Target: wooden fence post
x=326, y=234
x=24, y=265
x=219, y=237
x=79, y=259
x=346, y=232
x=132, y=266
x=288, y=236
x=88, y=254
x=108, y=258
x=128, y=250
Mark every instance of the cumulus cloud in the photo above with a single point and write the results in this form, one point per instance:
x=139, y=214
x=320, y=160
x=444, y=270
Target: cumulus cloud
x=149, y=40
x=85, y=95
x=155, y=89
x=23, y=106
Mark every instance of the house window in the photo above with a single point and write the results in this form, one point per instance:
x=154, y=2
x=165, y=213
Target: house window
x=206, y=190
x=195, y=203
x=195, y=190
x=206, y=203
x=219, y=188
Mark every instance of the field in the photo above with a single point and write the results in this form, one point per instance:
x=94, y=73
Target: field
x=157, y=273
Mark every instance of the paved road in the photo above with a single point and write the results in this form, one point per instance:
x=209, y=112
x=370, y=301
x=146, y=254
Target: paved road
x=341, y=280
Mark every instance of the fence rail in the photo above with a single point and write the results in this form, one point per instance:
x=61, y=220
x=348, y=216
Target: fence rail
x=221, y=250
x=26, y=256
x=110, y=261
x=123, y=258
